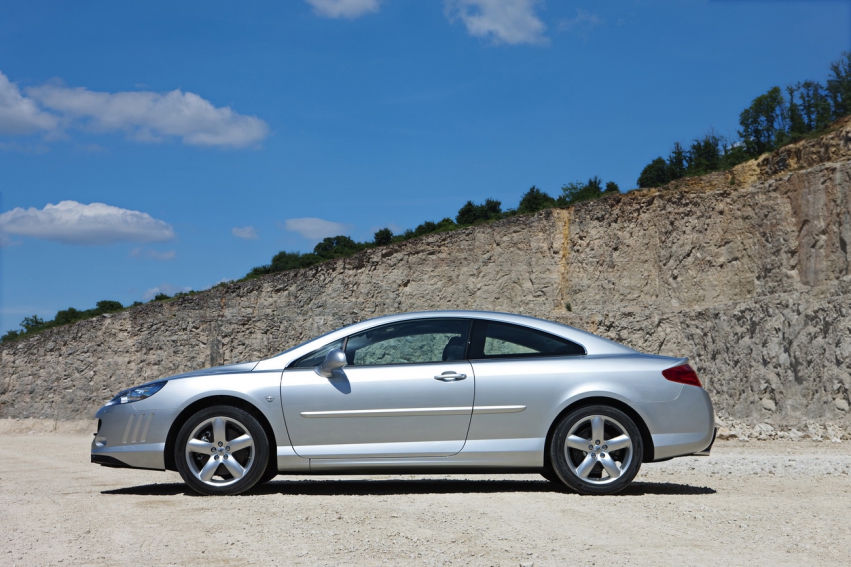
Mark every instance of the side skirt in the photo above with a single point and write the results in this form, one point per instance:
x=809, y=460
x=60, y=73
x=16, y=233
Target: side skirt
x=478, y=456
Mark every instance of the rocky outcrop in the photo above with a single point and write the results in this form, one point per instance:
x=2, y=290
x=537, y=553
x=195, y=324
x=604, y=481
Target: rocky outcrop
x=746, y=272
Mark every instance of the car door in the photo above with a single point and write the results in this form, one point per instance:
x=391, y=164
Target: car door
x=520, y=374
x=407, y=391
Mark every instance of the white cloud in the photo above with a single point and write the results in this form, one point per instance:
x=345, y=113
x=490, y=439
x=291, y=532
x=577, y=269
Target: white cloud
x=75, y=223
x=582, y=24
x=505, y=21
x=21, y=115
x=165, y=288
x=145, y=116
x=343, y=8
x=315, y=229
x=246, y=232
x=153, y=254
x=152, y=117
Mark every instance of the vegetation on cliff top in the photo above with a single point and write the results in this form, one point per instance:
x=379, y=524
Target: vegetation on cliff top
x=469, y=215
x=35, y=324
x=770, y=122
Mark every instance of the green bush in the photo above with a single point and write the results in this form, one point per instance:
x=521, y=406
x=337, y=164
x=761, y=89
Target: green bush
x=578, y=192
x=383, y=237
x=535, y=200
x=471, y=213
x=654, y=174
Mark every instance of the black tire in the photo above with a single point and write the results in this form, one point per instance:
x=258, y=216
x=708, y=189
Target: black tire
x=588, y=467
x=214, y=429
x=551, y=476
x=271, y=472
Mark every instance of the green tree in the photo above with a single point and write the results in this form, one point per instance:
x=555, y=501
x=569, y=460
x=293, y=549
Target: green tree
x=795, y=118
x=762, y=121
x=612, y=187
x=654, y=174
x=676, y=165
x=10, y=336
x=336, y=247
x=33, y=324
x=493, y=208
x=108, y=306
x=445, y=223
x=577, y=191
x=383, y=237
x=69, y=315
x=467, y=214
x=425, y=228
x=472, y=213
x=839, y=86
x=705, y=155
x=535, y=200
x=283, y=261
x=815, y=107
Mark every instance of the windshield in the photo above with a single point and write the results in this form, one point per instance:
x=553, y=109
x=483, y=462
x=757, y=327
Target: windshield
x=305, y=342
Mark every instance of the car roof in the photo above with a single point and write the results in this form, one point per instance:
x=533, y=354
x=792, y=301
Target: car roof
x=593, y=344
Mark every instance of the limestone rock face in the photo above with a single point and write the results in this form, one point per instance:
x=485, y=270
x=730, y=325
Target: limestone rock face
x=746, y=272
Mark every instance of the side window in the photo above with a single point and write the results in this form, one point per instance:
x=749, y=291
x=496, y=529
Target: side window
x=504, y=340
x=316, y=357
x=410, y=342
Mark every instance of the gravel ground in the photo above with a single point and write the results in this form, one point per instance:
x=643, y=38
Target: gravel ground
x=750, y=503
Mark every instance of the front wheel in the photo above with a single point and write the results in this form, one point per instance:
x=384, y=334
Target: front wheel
x=221, y=450
x=596, y=450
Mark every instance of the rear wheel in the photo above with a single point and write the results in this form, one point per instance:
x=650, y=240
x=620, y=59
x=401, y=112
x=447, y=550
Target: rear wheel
x=596, y=450
x=221, y=450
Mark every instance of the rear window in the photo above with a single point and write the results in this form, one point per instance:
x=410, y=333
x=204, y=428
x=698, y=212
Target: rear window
x=492, y=339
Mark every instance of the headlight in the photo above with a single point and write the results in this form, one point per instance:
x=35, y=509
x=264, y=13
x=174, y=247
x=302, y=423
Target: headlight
x=135, y=394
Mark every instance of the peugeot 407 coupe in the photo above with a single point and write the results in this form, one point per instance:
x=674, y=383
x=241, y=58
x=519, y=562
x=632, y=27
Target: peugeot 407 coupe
x=433, y=392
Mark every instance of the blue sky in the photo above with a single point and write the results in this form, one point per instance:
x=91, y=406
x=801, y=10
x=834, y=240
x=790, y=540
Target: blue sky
x=149, y=146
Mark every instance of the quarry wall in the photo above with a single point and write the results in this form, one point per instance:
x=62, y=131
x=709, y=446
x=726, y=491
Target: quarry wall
x=746, y=272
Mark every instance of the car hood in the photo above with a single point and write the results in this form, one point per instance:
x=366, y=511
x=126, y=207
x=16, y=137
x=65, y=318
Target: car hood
x=227, y=369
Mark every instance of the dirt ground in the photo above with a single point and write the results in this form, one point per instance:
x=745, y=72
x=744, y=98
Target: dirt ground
x=750, y=503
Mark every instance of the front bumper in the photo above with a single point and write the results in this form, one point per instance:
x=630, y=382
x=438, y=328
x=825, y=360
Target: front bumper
x=131, y=437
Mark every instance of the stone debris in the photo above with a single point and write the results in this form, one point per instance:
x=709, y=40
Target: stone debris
x=807, y=430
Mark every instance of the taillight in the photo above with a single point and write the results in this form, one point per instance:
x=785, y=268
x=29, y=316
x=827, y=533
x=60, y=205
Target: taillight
x=683, y=374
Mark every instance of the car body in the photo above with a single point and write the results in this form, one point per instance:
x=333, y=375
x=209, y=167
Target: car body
x=429, y=392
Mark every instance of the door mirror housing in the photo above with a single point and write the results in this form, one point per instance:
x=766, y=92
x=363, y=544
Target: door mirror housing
x=334, y=360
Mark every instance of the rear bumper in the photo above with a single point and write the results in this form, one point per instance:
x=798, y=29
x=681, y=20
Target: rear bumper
x=683, y=426
x=705, y=452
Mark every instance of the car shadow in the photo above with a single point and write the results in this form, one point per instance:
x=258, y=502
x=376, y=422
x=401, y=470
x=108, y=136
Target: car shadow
x=314, y=487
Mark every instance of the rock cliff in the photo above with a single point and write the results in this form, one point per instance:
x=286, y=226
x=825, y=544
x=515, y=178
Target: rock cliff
x=746, y=272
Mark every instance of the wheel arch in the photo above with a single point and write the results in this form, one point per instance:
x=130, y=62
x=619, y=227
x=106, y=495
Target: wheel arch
x=207, y=402
x=646, y=438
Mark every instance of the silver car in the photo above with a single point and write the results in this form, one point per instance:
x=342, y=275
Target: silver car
x=433, y=392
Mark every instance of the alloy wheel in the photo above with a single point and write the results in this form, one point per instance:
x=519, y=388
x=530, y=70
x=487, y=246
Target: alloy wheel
x=220, y=451
x=598, y=449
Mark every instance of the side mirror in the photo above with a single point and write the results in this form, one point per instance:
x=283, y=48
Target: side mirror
x=334, y=360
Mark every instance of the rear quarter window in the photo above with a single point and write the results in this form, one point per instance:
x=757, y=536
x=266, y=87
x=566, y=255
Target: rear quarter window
x=492, y=339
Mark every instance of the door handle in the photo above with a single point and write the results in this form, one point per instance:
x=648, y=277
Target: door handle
x=450, y=376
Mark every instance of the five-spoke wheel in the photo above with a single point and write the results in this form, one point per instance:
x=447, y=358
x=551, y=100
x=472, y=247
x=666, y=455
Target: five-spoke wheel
x=596, y=450
x=222, y=450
